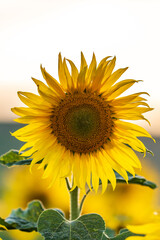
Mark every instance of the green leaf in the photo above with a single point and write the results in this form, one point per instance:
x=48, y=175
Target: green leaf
x=124, y=233
x=134, y=180
x=24, y=220
x=13, y=157
x=108, y=234
x=3, y=223
x=149, y=151
x=52, y=226
x=105, y=236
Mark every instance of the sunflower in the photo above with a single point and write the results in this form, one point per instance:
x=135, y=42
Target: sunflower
x=78, y=126
x=149, y=231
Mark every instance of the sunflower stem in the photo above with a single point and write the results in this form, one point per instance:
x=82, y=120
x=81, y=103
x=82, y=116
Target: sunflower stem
x=82, y=201
x=67, y=184
x=74, y=211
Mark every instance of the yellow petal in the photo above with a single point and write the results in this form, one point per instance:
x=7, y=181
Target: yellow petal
x=32, y=119
x=131, y=116
x=119, y=88
x=48, y=97
x=31, y=129
x=111, y=80
x=115, y=165
x=133, y=128
x=41, y=150
x=119, y=157
x=44, y=88
x=102, y=62
x=53, y=158
x=83, y=62
x=129, y=154
x=27, y=145
x=98, y=76
x=109, y=68
x=21, y=111
x=106, y=167
x=66, y=164
x=62, y=76
x=95, y=174
x=81, y=84
x=83, y=171
x=131, y=140
x=129, y=106
x=74, y=72
x=76, y=167
x=32, y=101
x=133, y=110
x=70, y=83
x=129, y=99
x=52, y=82
x=91, y=71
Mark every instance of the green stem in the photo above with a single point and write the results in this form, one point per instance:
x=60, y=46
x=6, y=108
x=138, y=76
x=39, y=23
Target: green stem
x=74, y=204
x=67, y=184
x=82, y=201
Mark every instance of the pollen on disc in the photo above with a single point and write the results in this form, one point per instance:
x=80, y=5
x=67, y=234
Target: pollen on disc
x=82, y=122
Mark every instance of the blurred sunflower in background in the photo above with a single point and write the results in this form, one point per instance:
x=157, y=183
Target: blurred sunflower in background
x=128, y=204
x=149, y=231
x=22, y=187
x=78, y=126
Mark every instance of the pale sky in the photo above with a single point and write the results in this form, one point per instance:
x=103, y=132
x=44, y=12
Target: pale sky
x=35, y=31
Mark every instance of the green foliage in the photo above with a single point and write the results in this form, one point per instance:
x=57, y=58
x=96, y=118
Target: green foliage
x=108, y=234
x=134, y=180
x=13, y=157
x=24, y=220
x=3, y=223
x=124, y=233
x=52, y=226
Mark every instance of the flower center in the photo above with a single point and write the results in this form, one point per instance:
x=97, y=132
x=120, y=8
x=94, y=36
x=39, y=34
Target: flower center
x=82, y=122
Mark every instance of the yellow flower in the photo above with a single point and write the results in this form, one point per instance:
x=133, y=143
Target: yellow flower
x=76, y=126
x=151, y=231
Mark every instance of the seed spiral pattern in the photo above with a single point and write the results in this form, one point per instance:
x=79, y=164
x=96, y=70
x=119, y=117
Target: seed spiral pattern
x=82, y=122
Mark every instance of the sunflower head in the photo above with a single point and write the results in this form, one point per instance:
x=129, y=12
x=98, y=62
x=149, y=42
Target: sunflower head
x=77, y=125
